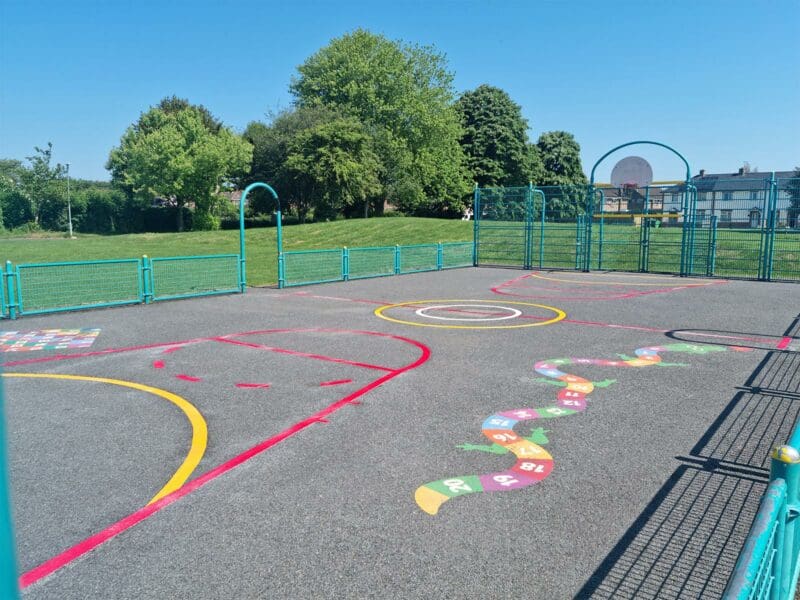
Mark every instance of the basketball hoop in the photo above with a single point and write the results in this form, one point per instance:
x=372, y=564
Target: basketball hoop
x=632, y=172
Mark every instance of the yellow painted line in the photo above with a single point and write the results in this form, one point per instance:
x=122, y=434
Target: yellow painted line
x=560, y=314
x=665, y=281
x=198, y=423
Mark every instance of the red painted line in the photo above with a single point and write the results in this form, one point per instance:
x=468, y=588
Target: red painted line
x=253, y=385
x=336, y=382
x=55, y=357
x=158, y=364
x=188, y=378
x=67, y=556
x=784, y=343
x=302, y=354
x=171, y=350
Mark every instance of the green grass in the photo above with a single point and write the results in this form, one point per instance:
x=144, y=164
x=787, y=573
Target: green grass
x=261, y=243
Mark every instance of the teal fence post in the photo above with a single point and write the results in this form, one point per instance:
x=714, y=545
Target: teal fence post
x=476, y=228
x=397, y=260
x=601, y=234
x=541, y=227
x=785, y=465
x=147, y=279
x=770, y=226
x=439, y=256
x=587, y=259
x=712, y=247
x=578, y=235
x=8, y=562
x=345, y=264
x=528, y=226
x=281, y=271
x=11, y=297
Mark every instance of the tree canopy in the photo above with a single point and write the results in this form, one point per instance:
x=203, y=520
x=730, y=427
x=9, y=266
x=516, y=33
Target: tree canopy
x=176, y=152
x=403, y=95
x=495, y=139
x=561, y=158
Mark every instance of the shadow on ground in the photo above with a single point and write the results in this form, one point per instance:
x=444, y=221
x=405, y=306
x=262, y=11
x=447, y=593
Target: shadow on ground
x=686, y=541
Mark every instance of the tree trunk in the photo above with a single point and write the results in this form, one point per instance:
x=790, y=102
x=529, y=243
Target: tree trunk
x=179, y=217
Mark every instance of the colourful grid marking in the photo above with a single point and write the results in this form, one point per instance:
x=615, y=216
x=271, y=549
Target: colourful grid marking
x=47, y=339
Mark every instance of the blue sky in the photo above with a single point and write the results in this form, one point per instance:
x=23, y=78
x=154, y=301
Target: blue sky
x=718, y=80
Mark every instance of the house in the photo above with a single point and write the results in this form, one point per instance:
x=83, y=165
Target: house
x=738, y=199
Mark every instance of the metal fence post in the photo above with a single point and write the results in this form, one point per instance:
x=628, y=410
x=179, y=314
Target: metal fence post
x=8, y=563
x=712, y=247
x=528, y=227
x=147, y=279
x=587, y=259
x=397, y=260
x=785, y=464
x=11, y=297
x=345, y=264
x=439, y=256
x=476, y=228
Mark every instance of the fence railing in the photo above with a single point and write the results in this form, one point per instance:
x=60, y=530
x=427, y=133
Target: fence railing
x=743, y=227
x=41, y=288
x=304, y=267
x=768, y=565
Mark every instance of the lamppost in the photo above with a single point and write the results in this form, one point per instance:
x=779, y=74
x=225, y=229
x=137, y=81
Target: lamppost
x=69, y=205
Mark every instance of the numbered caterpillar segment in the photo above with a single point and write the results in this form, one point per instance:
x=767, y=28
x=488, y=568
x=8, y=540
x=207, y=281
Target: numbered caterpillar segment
x=534, y=463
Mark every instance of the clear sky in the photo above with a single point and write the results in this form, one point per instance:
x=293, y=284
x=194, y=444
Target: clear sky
x=718, y=80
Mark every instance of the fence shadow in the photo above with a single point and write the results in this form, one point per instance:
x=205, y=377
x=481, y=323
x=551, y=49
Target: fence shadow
x=686, y=541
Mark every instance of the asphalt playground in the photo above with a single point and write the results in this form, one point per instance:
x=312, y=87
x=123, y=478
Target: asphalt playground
x=473, y=433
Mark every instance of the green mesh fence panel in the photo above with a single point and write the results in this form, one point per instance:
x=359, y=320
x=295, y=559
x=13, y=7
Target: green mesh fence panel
x=457, y=254
x=785, y=261
x=69, y=286
x=500, y=223
x=557, y=239
x=414, y=259
x=312, y=266
x=188, y=276
x=371, y=262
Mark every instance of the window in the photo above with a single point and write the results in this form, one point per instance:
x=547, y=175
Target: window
x=727, y=196
x=701, y=214
x=725, y=216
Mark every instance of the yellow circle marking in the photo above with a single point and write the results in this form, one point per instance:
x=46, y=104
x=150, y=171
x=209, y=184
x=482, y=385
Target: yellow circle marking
x=199, y=428
x=560, y=314
x=664, y=283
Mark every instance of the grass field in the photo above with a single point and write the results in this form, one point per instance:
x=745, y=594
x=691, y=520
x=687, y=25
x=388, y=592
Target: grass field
x=261, y=243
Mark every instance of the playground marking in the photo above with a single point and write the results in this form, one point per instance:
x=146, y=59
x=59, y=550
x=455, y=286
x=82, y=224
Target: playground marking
x=534, y=463
x=379, y=312
x=70, y=554
x=47, y=339
x=579, y=282
x=514, y=313
x=198, y=423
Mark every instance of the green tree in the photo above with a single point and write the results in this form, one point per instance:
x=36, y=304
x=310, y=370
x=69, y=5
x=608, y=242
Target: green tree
x=176, y=154
x=271, y=147
x=495, y=139
x=41, y=185
x=561, y=159
x=403, y=95
x=337, y=161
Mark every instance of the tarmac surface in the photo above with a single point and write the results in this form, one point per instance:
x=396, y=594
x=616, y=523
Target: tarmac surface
x=271, y=444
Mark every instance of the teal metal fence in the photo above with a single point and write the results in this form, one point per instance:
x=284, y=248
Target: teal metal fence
x=190, y=276
x=305, y=267
x=41, y=288
x=744, y=227
x=768, y=565
x=55, y=287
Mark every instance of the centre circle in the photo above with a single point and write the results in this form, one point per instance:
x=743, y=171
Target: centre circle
x=468, y=323
x=514, y=313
